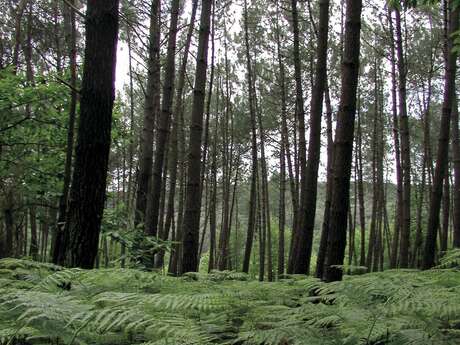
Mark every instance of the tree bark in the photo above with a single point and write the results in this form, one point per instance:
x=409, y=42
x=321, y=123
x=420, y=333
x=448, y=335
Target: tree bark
x=179, y=116
x=164, y=121
x=456, y=164
x=254, y=173
x=146, y=136
x=327, y=203
x=33, y=250
x=191, y=222
x=298, y=239
x=443, y=144
x=302, y=255
x=344, y=143
x=71, y=42
x=396, y=137
x=444, y=235
x=87, y=194
x=405, y=147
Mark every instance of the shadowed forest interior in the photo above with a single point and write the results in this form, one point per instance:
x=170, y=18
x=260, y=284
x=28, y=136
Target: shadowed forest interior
x=229, y=172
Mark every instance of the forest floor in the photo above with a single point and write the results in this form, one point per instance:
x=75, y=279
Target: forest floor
x=46, y=304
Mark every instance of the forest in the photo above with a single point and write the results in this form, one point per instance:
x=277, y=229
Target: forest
x=238, y=172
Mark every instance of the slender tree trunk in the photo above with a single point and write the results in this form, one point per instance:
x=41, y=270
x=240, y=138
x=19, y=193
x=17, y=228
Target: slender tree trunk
x=150, y=107
x=444, y=234
x=45, y=233
x=284, y=126
x=396, y=136
x=327, y=203
x=405, y=147
x=344, y=142
x=362, y=213
x=159, y=260
x=307, y=215
x=191, y=222
x=213, y=206
x=298, y=243
x=179, y=115
x=33, y=250
x=132, y=144
x=443, y=143
x=71, y=42
x=163, y=121
x=262, y=231
x=87, y=194
x=456, y=164
x=252, y=111
x=20, y=8
x=282, y=208
x=418, y=235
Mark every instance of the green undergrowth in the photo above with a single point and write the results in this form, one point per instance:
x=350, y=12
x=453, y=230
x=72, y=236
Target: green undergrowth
x=46, y=304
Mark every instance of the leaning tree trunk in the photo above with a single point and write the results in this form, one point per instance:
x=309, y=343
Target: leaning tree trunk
x=443, y=144
x=87, y=194
x=344, y=143
x=302, y=256
x=191, y=222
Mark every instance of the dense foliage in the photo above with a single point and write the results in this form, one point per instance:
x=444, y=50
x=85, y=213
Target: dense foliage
x=47, y=304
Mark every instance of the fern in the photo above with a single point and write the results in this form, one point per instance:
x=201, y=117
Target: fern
x=43, y=304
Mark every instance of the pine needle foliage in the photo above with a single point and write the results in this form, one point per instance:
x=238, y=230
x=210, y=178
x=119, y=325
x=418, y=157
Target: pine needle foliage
x=47, y=304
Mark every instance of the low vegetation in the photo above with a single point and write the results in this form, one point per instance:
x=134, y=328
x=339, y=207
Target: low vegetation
x=47, y=304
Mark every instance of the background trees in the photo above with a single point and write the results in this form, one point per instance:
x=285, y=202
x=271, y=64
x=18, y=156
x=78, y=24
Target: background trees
x=233, y=186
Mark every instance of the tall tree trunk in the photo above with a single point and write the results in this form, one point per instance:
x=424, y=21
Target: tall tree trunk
x=282, y=208
x=179, y=116
x=159, y=259
x=399, y=182
x=262, y=230
x=213, y=206
x=71, y=42
x=307, y=215
x=327, y=203
x=253, y=192
x=443, y=143
x=456, y=164
x=362, y=212
x=405, y=147
x=151, y=96
x=263, y=192
x=87, y=194
x=418, y=235
x=191, y=222
x=8, y=217
x=20, y=8
x=344, y=142
x=164, y=121
x=295, y=266
x=444, y=234
x=132, y=145
x=284, y=126
x=33, y=250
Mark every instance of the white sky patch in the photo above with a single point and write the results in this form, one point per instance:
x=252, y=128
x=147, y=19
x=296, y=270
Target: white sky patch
x=122, y=70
